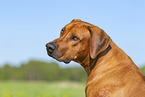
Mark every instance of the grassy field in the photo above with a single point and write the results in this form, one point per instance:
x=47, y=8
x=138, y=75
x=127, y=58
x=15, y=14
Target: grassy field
x=41, y=89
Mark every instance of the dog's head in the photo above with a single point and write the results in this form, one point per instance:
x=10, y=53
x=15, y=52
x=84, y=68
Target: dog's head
x=77, y=40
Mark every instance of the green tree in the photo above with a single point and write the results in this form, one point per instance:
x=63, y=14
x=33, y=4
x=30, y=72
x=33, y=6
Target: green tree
x=143, y=70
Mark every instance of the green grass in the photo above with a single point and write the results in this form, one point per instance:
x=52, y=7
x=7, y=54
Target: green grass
x=41, y=89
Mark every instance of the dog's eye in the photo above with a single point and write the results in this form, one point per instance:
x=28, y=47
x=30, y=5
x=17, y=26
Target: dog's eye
x=62, y=31
x=74, y=38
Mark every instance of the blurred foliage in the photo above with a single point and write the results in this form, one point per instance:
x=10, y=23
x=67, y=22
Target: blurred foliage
x=143, y=70
x=41, y=71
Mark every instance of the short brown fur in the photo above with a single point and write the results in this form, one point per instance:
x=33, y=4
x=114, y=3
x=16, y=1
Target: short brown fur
x=111, y=73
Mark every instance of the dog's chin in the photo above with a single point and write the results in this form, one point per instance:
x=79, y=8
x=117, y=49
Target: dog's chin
x=67, y=61
x=58, y=59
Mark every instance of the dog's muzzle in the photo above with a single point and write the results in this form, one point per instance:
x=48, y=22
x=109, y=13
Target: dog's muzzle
x=53, y=52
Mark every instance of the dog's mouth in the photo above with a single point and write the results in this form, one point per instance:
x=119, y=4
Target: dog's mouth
x=58, y=56
x=67, y=61
x=58, y=59
x=53, y=52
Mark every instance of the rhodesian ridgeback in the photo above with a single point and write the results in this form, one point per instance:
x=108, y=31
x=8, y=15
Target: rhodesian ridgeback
x=111, y=73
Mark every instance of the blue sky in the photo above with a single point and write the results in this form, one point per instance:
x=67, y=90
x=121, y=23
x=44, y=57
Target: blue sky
x=27, y=25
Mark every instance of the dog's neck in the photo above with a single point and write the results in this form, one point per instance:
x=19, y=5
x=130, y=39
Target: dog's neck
x=88, y=63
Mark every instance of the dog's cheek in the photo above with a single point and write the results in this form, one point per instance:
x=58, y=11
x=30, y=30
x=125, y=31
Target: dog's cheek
x=83, y=51
x=71, y=53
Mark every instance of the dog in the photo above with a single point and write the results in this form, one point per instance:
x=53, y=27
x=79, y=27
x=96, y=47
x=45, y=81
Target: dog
x=110, y=72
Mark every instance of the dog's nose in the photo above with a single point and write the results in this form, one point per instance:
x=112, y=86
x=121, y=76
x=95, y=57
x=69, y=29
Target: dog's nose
x=50, y=47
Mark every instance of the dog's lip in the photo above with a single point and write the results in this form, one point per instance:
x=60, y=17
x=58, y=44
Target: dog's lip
x=67, y=61
x=58, y=59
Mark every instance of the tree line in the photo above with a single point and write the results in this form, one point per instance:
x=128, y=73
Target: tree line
x=43, y=71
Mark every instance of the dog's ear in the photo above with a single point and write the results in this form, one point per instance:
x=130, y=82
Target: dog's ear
x=99, y=41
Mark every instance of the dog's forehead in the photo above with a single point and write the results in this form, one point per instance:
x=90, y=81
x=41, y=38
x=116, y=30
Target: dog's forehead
x=76, y=26
x=76, y=29
x=77, y=23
